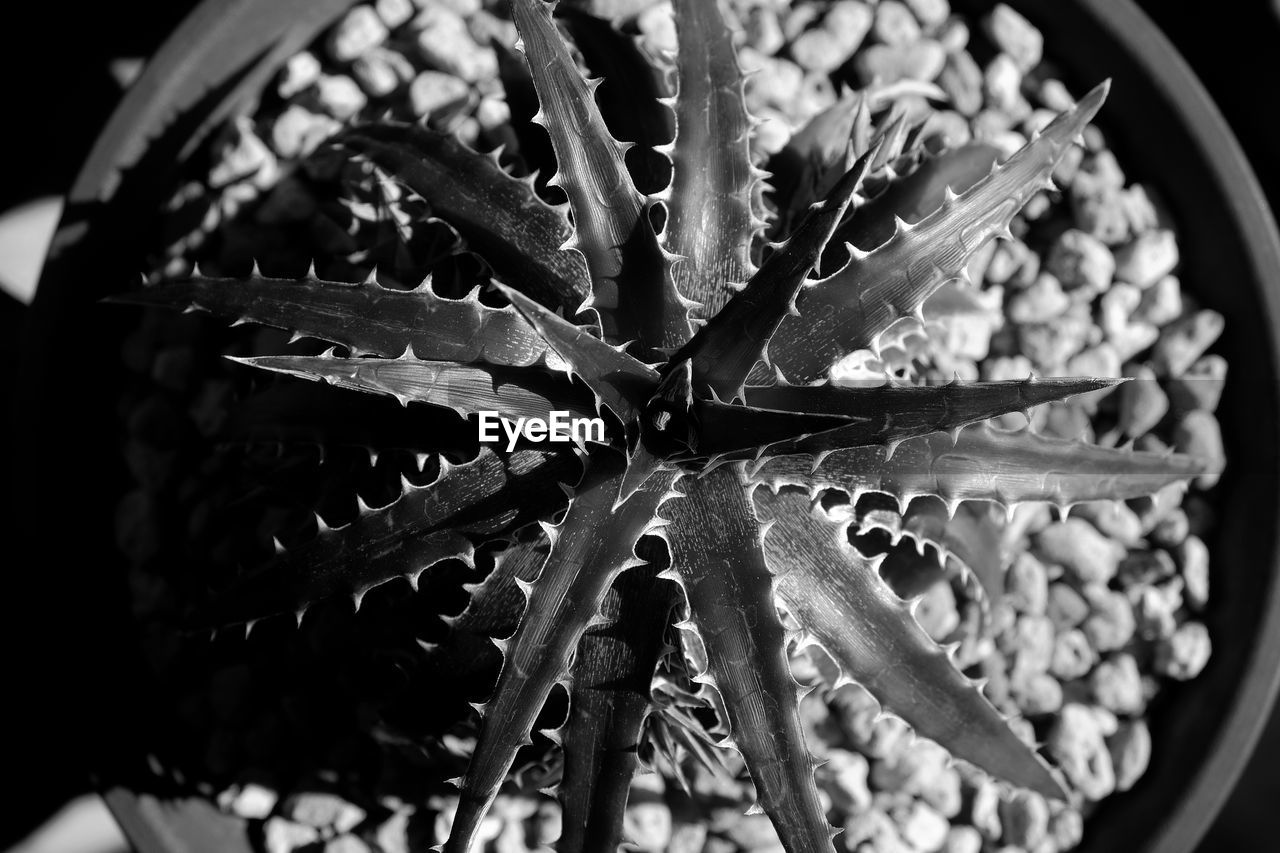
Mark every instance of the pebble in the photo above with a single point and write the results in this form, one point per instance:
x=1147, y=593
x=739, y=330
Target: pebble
x=250, y=801
x=1111, y=624
x=1116, y=308
x=394, y=13
x=340, y=96
x=921, y=827
x=658, y=27
x=844, y=777
x=486, y=28
x=763, y=31
x=1130, y=753
x=1053, y=93
x=1184, y=655
x=1073, y=657
x=873, y=831
x=1002, y=84
x=930, y=13
x=299, y=73
x=1114, y=518
x=962, y=839
x=323, y=811
x=894, y=24
x=647, y=825
x=1143, y=403
x=936, y=611
x=1014, y=35
x=1081, y=261
x=1025, y=818
x=1147, y=258
x=921, y=60
x=1156, y=608
x=1193, y=561
x=1066, y=829
x=1161, y=303
x=1032, y=646
x=1039, y=303
x=346, y=844
x=433, y=92
x=819, y=50
x=1198, y=434
x=1200, y=386
x=1182, y=343
x=1146, y=567
x=984, y=808
x=961, y=79
x=446, y=45
x=1037, y=694
x=1076, y=742
x=1099, y=211
x=381, y=72
x=241, y=156
x=282, y=836
x=1078, y=547
x=297, y=132
x=1026, y=585
x=1049, y=345
x=359, y=31
x=1171, y=530
x=850, y=21
x=1065, y=607
x=1139, y=209
x=1117, y=685
x=753, y=832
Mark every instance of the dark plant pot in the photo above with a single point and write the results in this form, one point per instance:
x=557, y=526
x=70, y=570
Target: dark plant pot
x=1160, y=120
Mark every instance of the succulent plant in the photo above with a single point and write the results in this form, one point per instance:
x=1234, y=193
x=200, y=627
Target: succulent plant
x=700, y=323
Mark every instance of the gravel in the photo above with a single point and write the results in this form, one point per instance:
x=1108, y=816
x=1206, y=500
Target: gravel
x=1100, y=609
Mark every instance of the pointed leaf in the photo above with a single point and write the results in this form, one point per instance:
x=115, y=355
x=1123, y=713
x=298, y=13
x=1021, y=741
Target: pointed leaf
x=631, y=277
x=722, y=428
x=812, y=161
x=850, y=309
x=729, y=345
x=838, y=595
x=425, y=525
x=500, y=217
x=716, y=554
x=608, y=702
x=892, y=413
x=590, y=548
x=987, y=464
x=366, y=317
x=467, y=389
x=711, y=222
x=619, y=381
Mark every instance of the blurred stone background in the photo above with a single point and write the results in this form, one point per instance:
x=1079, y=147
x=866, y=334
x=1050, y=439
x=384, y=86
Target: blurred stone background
x=60, y=72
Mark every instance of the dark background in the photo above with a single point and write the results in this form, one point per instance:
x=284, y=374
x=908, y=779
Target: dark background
x=56, y=93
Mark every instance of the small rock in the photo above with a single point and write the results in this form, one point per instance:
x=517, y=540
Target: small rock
x=819, y=50
x=340, y=96
x=1073, y=657
x=359, y=31
x=1025, y=818
x=1161, y=303
x=1002, y=84
x=1114, y=518
x=1139, y=210
x=1146, y=567
x=953, y=34
x=1065, y=608
x=872, y=830
x=1111, y=624
x=297, y=132
x=1099, y=211
x=1027, y=585
x=1184, y=655
x=1054, y=95
x=1117, y=306
x=445, y=44
x=394, y=13
x=485, y=29
x=1077, y=743
x=1040, y=302
x=961, y=80
x=1117, y=685
x=930, y=13
x=392, y=835
x=844, y=777
x=1143, y=403
x=922, y=827
x=1077, y=546
x=1147, y=258
x=648, y=825
x=1066, y=829
x=894, y=24
x=1081, y=261
x=687, y=837
x=299, y=73
x=240, y=156
x=1033, y=646
x=1193, y=560
x=936, y=612
x=754, y=832
x=433, y=92
x=1156, y=609
x=381, y=72
x=1171, y=530
x=1014, y=35
x=346, y=844
x=984, y=808
x=1130, y=753
x=849, y=21
x=1068, y=166
x=323, y=811
x=1200, y=386
x=921, y=60
x=251, y=801
x=283, y=836
x=963, y=839
x=764, y=32
x=1037, y=694
x=1198, y=434
x=1049, y=345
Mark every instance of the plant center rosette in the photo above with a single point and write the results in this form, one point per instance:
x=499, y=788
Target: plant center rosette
x=828, y=342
